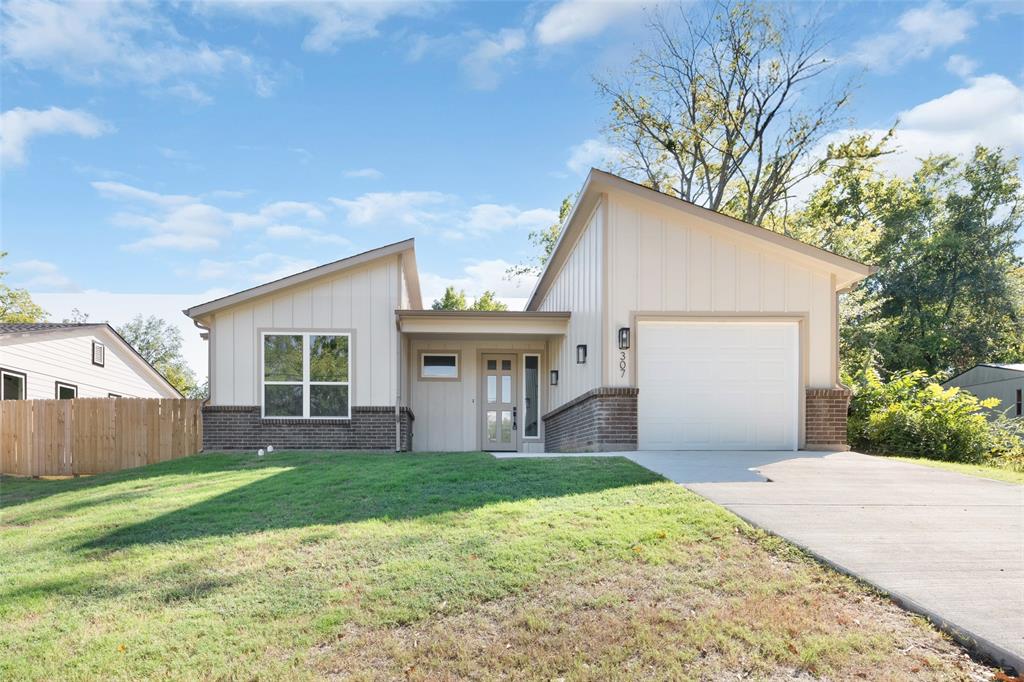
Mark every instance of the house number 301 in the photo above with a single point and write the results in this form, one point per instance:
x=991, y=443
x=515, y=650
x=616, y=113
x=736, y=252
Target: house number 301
x=622, y=363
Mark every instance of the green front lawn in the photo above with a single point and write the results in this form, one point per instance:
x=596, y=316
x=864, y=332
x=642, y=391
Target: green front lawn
x=441, y=566
x=997, y=473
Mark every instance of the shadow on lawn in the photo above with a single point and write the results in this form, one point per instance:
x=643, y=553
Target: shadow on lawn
x=328, y=489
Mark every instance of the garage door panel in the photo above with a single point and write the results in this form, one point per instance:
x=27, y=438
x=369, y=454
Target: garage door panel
x=708, y=386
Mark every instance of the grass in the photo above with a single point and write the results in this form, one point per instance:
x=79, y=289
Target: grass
x=423, y=567
x=981, y=470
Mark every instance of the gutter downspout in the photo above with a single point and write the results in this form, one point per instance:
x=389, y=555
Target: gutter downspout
x=398, y=386
x=209, y=360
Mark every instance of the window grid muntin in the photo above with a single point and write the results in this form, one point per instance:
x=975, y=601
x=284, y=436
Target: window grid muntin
x=305, y=383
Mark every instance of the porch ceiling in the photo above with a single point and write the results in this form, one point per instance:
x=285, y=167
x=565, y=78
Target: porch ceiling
x=465, y=322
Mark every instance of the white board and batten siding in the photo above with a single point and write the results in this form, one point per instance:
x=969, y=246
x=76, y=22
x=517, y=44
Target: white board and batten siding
x=666, y=261
x=360, y=301
x=447, y=411
x=66, y=356
x=579, y=287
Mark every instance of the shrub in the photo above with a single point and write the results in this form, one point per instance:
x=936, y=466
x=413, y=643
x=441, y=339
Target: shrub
x=911, y=414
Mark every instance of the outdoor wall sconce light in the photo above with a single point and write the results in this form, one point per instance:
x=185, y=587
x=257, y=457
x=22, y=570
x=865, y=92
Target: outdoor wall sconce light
x=624, y=338
x=554, y=377
x=581, y=354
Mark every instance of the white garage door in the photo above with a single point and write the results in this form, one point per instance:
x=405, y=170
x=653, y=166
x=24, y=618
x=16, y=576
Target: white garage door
x=718, y=385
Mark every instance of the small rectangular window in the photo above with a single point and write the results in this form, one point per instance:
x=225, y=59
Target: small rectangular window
x=64, y=391
x=1020, y=402
x=12, y=385
x=439, y=366
x=113, y=395
x=99, y=353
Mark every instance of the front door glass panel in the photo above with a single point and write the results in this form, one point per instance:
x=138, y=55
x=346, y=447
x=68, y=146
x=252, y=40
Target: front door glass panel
x=499, y=411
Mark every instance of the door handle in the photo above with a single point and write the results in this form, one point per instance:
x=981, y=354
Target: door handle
x=515, y=417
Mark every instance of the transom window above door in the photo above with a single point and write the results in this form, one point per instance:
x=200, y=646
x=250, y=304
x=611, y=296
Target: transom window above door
x=306, y=375
x=439, y=366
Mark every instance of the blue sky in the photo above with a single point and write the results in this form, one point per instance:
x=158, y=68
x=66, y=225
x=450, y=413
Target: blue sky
x=182, y=150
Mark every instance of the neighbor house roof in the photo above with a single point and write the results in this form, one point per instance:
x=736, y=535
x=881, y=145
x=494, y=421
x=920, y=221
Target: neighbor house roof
x=406, y=248
x=599, y=181
x=9, y=329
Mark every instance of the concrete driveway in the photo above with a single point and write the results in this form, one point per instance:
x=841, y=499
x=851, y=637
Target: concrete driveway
x=943, y=544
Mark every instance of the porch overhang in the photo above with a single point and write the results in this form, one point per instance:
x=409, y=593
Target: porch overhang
x=475, y=322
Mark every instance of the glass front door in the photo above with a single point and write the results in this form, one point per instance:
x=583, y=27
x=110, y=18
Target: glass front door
x=499, y=399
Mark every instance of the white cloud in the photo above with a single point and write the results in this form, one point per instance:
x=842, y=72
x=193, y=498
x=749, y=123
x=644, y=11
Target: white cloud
x=306, y=234
x=123, y=192
x=18, y=126
x=440, y=213
x=592, y=153
x=190, y=223
x=919, y=32
x=36, y=275
x=480, y=276
x=365, y=173
x=331, y=24
x=961, y=65
x=402, y=208
x=482, y=64
x=109, y=40
x=572, y=20
x=988, y=111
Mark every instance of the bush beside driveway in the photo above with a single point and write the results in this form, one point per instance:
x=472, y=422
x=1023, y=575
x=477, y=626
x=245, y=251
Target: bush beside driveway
x=313, y=565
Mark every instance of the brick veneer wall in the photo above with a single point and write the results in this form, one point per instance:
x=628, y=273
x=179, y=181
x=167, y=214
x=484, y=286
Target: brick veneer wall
x=240, y=427
x=826, y=411
x=600, y=420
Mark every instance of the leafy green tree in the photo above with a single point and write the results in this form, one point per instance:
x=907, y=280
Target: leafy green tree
x=451, y=300
x=949, y=292
x=544, y=241
x=725, y=107
x=487, y=301
x=456, y=300
x=16, y=305
x=159, y=343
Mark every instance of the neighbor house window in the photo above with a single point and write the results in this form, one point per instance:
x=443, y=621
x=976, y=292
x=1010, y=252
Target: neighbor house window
x=439, y=366
x=1020, y=402
x=99, y=353
x=306, y=375
x=12, y=385
x=113, y=395
x=64, y=391
x=531, y=396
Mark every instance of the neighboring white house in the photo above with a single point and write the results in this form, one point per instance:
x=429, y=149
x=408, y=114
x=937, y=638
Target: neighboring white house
x=41, y=361
x=656, y=324
x=1003, y=381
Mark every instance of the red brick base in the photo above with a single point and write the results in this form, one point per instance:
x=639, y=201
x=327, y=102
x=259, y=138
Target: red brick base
x=826, y=418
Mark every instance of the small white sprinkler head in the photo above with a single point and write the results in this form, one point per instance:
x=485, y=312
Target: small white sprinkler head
x=270, y=448
x=259, y=453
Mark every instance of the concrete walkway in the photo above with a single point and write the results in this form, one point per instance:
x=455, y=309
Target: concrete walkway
x=943, y=544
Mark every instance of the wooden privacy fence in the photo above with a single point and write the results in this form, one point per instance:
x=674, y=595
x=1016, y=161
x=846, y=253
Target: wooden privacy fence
x=95, y=435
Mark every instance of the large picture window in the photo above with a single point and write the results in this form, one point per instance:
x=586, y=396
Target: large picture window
x=306, y=375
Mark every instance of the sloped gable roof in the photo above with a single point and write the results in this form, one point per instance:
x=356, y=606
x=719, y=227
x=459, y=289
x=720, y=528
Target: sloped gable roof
x=406, y=248
x=599, y=181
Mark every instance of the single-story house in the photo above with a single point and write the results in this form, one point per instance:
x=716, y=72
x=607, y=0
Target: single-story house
x=656, y=324
x=992, y=380
x=47, y=360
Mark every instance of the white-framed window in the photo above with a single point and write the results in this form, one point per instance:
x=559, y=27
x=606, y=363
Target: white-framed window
x=531, y=395
x=306, y=375
x=99, y=353
x=439, y=365
x=64, y=391
x=12, y=385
